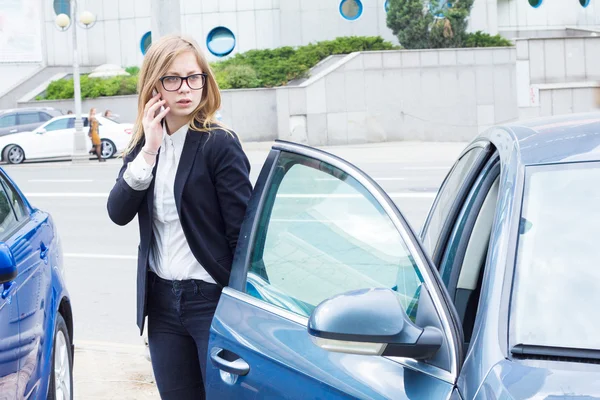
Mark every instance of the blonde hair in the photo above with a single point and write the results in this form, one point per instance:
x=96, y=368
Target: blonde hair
x=156, y=63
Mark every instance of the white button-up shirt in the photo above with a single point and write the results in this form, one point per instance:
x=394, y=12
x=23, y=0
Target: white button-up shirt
x=170, y=255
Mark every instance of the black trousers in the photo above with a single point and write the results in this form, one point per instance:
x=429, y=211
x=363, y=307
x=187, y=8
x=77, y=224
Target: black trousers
x=179, y=318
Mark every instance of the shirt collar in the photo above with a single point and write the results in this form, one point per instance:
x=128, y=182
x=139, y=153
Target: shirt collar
x=178, y=137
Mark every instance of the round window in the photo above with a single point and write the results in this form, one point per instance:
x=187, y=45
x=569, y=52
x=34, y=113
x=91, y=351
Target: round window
x=584, y=3
x=351, y=9
x=220, y=41
x=386, y=5
x=146, y=42
x=535, y=3
x=62, y=7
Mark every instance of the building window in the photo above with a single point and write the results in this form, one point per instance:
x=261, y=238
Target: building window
x=535, y=3
x=220, y=41
x=584, y=3
x=386, y=5
x=351, y=9
x=62, y=7
x=146, y=42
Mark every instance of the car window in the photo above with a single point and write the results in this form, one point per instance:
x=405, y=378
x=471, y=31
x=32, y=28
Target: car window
x=63, y=123
x=322, y=234
x=8, y=218
x=556, y=289
x=26, y=118
x=450, y=198
x=8, y=120
x=16, y=201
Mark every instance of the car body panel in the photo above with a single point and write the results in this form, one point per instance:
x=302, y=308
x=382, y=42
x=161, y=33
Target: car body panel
x=282, y=361
x=40, y=289
x=535, y=379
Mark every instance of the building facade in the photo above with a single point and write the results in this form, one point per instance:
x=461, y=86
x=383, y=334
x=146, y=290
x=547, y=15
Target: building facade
x=226, y=27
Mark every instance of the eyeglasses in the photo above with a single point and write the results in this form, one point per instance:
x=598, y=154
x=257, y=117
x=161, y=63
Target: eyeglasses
x=173, y=83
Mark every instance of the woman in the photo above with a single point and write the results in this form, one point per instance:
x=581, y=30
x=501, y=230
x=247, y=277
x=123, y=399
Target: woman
x=187, y=180
x=94, y=135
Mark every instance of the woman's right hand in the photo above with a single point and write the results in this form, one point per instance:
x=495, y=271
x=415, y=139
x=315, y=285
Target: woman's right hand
x=153, y=131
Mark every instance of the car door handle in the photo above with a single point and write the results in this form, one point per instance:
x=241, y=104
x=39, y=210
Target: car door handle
x=7, y=288
x=43, y=251
x=13, y=131
x=236, y=367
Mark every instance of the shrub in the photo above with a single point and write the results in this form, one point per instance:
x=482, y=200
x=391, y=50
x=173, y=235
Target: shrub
x=252, y=69
x=276, y=67
x=481, y=39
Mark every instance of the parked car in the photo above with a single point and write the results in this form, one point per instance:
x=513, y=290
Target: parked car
x=333, y=294
x=36, y=321
x=54, y=139
x=25, y=119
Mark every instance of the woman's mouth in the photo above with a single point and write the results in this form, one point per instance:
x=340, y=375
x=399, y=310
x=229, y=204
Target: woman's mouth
x=184, y=102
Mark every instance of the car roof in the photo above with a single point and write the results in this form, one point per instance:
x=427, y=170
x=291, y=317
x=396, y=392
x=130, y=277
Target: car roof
x=11, y=110
x=565, y=138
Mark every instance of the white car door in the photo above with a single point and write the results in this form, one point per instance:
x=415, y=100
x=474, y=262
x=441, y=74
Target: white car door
x=54, y=139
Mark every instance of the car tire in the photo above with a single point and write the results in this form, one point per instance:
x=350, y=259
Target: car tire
x=107, y=148
x=13, y=154
x=61, y=374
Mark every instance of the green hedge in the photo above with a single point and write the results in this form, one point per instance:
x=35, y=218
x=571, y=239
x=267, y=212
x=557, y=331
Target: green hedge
x=481, y=39
x=252, y=69
x=276, y=67
x=91, y=87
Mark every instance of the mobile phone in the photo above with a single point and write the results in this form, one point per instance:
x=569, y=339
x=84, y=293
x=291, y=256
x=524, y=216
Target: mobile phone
x=162, y=108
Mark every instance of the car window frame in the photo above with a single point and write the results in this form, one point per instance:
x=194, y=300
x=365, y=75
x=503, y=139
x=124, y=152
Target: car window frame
x=20, y=223
x=252, y=222
x=468, y=213
x=460, y=197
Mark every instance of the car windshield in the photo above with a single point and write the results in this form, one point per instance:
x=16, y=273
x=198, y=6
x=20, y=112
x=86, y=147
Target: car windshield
x=556, y=292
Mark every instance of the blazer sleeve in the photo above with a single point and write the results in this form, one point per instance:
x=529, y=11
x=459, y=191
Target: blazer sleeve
x=123, y=201
x=231, y=170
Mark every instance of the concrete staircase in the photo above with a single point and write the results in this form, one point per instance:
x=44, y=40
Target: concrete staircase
x=40, y=77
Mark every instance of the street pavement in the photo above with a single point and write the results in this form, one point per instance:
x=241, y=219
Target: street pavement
x=100, y=256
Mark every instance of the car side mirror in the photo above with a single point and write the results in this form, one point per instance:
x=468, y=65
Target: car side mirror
x=8, y=266
x=40, y=131
x=371, y=322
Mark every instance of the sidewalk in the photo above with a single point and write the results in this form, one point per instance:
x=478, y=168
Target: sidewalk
x=112, y=372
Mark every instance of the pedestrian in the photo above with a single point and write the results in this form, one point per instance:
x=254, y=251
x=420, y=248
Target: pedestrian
x=186, y=178
x=94, y=134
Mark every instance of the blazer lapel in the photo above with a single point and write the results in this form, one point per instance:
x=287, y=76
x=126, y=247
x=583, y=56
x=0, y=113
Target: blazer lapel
x=188, y=156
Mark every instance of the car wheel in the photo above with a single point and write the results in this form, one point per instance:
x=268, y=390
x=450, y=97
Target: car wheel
x=108, y=148
x=61, y=374
x=14, y=154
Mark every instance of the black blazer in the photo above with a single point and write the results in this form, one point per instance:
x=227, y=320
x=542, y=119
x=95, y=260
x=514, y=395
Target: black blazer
x=212, y=189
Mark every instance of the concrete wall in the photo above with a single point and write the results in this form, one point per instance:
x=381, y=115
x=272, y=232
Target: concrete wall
x=251, y=113
x=446, y=95
x=557, y=75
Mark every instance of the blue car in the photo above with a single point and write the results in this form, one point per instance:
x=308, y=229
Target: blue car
x=36, y=322
x=334, y=296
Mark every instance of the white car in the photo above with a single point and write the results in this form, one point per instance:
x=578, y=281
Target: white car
x=54, y=139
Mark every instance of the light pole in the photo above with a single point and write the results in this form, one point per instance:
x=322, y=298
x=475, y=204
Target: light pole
x=63, y=21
